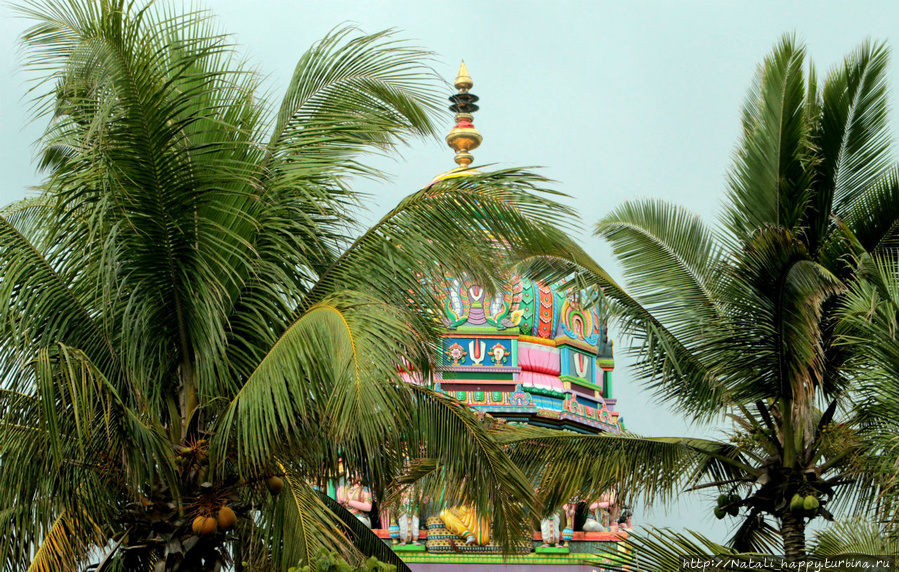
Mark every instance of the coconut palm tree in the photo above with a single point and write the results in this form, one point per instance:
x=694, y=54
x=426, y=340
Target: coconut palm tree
x=195, y=331
x=740, y=321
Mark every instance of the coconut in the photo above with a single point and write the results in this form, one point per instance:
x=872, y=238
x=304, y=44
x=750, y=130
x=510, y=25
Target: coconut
x=209, y=526
x=733, y=510
x=796, y=503
x=810, y=503
x=722, y=500
x=226, y=518
x=275, y=485
x=197, y=525
x=719, y=513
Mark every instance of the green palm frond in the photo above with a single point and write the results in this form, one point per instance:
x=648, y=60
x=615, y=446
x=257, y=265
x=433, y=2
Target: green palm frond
x=565, y=465
x=300, y=524
x=336, y=358
x=872, y=219
x=460, y=226
x=663, y=550
x=858, y=536
x=650, y=237
x=776, y=295
x=851, y=136
x=471, y=467
x=769, y=183
x=348, y=93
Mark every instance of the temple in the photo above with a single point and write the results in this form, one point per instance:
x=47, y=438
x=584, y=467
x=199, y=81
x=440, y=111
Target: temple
x=531, y=354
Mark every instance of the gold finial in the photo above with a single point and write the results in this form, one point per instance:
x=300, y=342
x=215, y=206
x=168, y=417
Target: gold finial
x=463, y=80
x=464, y=137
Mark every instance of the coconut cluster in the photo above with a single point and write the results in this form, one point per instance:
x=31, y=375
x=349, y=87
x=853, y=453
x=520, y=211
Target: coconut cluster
x=807, y=505
x=206, y=525
x=728, y=504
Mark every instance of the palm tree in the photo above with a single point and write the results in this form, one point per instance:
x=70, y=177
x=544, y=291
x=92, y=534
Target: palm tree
x=740, y=321
x=195, y=331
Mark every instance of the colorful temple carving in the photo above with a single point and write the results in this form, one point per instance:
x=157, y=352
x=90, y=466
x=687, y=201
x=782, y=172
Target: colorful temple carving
x=531, y=354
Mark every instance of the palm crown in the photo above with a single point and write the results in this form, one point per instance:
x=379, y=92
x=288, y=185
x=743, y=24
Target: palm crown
x=188, y=311
x=749, y=320
x=743, y=319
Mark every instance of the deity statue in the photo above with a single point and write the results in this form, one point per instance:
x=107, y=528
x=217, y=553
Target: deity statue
x=625, y=522
x=464, y=522
x=598, y=517
x=407, y=517
x=357, y=499
x=570, y=511
x=550, y=530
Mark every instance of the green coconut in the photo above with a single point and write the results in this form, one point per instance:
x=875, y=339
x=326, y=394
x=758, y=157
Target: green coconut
x=733, y=510
x=719, y=513
x=797, y=503
x=722, y=500
x=810, y=503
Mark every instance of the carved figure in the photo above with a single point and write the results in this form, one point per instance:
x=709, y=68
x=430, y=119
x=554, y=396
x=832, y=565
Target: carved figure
x=356, y=499
x=598, y=517
x=465, y=523
x=568, y=532
x=407, y=518
x=551, y=530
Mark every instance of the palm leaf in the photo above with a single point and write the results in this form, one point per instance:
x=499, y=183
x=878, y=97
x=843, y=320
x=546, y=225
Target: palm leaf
x=769, y=182
x=851, y=136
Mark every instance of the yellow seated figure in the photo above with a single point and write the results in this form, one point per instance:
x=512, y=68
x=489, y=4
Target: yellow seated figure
x=464, y=523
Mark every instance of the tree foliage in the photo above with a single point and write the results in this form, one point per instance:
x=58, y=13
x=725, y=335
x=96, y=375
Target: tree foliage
x=189, y=307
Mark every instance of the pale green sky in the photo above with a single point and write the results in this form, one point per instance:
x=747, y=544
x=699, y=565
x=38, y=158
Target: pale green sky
x=616, y=99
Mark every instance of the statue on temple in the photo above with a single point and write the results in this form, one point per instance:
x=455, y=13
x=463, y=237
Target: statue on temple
x=407, y=517
x=464, y=522
x=598, y=517
x=625, y=521
x=357, y=499
x=551, y=530
x=570, y=510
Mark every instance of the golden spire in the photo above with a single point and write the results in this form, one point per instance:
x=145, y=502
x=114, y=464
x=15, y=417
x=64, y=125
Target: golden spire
x=463, y=137
x=463, y=80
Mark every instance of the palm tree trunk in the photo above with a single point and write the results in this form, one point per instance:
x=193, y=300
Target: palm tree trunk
x=792, y=529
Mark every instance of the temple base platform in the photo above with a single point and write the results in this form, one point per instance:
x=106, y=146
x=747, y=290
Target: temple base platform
x=442, y=551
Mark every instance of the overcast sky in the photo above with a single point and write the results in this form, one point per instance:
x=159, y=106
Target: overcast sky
x=615, y=100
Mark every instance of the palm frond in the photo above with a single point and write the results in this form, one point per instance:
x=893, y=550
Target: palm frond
x=350, y=93
x=652, y=236
x=564, y=465
x=300, y=525
x=66, y=546
x=769, y=183
x=851, y=136
x=859, y=536
x=664, y=550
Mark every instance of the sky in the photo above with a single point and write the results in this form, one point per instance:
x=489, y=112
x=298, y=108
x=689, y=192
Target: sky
x=614, y=100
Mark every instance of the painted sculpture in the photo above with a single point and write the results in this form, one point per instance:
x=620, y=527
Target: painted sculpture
x=551, y=530
x=407, y=518
x=464, y=522
x=357, y=499
x=599, y=517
